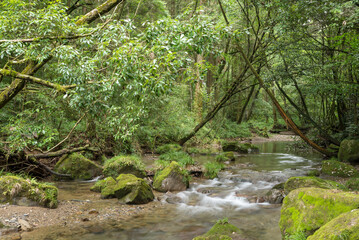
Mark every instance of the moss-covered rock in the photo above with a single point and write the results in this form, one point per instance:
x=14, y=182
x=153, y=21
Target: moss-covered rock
x=248, y=148
x=222, y=158
x=307, y=209
x=302, y=182
x=126, y=164
x=78, y=167
x=101, y=184
x=229, y=155
x=313, y=173
x=171, y=178
x=338, y=169
x=128, y=189
x=17, y=190
x=222, y=230
x=230, y=146
x=349, y=151
x=168, y=148
x=345, y=226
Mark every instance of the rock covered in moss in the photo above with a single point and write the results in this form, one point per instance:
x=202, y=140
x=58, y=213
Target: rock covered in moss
x=221, y=230
x=101, y=184
x=222, y=158
x=349, y=151
x=307, y=209
x=230, y=146
x=345, y=226
x=128, y=189
x=302, y=182
x=20, y=191
x=338, y=169
x=171, y=178
x=126, y=164
x=78, y=167
x=168, y=148
x=181, y=157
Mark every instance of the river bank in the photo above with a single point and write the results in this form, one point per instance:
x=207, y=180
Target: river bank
x=80, y=210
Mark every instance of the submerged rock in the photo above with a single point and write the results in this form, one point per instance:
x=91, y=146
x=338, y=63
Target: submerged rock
x=349, y=151
x=171, y=178
x=307, y=209
x=338, y=169
x=302, y=182
x=221, y=230
x=128, y=189
x=345, y=226
x=15, y=190
x=127, y=164
x=78, y=167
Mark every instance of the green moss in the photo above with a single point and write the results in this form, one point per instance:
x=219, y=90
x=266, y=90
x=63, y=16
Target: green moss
x=221, y=230
x=353, y=184
x=301, y=182
x=349, y=151
x=192, y=150
x=313, y=173
x=128, y=189
x=307, y=209
x=343, y=227
x=338, y=169
x=229, y=155
x=124, y=164
x=168, y=148
x=12, y=187
x=101, y=184
x=78, y=167
x=221, y=158
x=174, y=170
x=230, y=146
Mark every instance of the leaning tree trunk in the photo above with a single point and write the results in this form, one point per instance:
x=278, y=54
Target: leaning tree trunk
x=281, y=111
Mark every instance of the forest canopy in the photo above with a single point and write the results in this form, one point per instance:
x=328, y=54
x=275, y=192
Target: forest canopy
x=129, y=75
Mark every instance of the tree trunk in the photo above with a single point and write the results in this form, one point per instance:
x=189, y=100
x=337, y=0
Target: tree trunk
x=240, y=118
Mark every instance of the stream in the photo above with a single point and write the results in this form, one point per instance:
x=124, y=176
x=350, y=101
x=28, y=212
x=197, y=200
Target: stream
x=235, y=194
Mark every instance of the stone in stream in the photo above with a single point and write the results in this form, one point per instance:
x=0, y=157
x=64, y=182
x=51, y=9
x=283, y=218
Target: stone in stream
x=125, y=164
x=16, y=190
x=241, y=148
x=305, y=210
x=78, y=166
x=345, y=226
x=128, y=189
x=222, y=230
x=276, y=194
x=171, y=178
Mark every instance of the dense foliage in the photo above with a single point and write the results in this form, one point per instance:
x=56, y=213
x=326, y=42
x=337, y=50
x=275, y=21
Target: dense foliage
x=148, y=72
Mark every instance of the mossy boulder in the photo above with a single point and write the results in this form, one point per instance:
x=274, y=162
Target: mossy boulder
x=168, y=148
x=222, y=230
x=307, y=209
x=171, y=178
x=345, y=226
x=20, y=191
x=78, y=167
x=128, y=189
x=230, y=146
x=229, y=155
x=101, y=184
x=338, y=169
x=222, y=158
x=349, y=151
x=126, y=164
x=302, y=182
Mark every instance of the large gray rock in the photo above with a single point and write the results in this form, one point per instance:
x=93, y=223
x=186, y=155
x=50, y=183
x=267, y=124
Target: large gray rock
x=171, y=178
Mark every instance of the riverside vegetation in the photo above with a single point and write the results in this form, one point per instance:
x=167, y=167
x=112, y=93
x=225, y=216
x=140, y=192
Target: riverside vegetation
x=89, y=87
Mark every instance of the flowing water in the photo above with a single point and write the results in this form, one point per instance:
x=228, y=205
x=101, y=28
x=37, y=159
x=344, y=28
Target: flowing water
x=235, y=195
